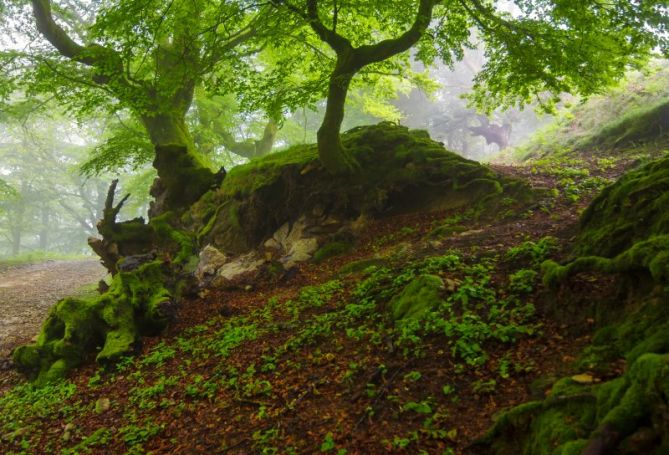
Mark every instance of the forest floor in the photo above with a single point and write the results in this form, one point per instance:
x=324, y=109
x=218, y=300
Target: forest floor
x=28, y=291
x=301, y=365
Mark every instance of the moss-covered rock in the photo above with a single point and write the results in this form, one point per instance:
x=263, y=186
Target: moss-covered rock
x=631, y=210
x=400, y=171
x=418, y=298
x=332, y=249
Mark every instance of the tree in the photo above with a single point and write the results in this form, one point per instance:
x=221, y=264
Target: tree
x=52, y=206
x=545, y=48
x=147, y=57
x=351, y=58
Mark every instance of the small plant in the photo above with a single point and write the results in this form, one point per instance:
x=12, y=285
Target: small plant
x=536, y=252
x=422, y=407
x=484, y=387
x=412, y=376
x=523, y=281
x=328, y=443
x=159, y=355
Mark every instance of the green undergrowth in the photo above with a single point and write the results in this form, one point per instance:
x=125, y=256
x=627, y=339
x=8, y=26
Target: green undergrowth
x=629, y=120
x=402, y=312
x=624, y=233
x=401, y=171
x=574, y=176
x=139, y=302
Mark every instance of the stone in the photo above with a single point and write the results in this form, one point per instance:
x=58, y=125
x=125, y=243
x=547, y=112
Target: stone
x=102, y=405
x=234, y=269
x=211, y=260
x=297, y=242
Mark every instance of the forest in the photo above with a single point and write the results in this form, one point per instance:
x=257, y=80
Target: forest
x=334, y=226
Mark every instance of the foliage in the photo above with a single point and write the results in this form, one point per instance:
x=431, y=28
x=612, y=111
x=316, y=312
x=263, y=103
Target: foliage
x=536, y=252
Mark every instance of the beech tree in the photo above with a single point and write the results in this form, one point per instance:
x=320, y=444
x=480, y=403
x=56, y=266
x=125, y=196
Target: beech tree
x=545, y=48
x=147, y=57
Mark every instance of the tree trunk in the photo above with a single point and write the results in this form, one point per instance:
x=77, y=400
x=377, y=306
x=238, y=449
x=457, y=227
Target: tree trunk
x=330, y=150
x=168, y=129
x=182, y=178
x=16, y=223
x=44, y=231
x=16, y=241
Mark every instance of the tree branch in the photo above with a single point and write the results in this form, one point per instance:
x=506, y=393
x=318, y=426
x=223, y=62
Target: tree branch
x=383, y=50
x=337, y=42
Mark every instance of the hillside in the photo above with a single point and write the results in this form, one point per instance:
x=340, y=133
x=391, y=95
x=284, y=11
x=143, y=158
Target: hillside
x=629, y=121
x=409, y=336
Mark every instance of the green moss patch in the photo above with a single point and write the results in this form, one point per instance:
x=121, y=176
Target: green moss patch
x=418, y=298
x=631, y=210
x=332, y=249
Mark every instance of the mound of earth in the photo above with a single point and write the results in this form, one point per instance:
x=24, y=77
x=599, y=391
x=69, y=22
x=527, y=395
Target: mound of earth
x=289, y=206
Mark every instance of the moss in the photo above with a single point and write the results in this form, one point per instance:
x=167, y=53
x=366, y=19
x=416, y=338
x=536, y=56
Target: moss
x=554, y=426
x=332, y=249
x=651, y=254
x=184, y=178
x=180, y=243
x=630, y=210
x=138, y=302
x=418, y=298
x=643, y=124
x=400, y=171
x=360, y=266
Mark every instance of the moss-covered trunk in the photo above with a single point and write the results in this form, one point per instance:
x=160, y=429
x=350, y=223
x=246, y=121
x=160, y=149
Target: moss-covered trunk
x=182, y=177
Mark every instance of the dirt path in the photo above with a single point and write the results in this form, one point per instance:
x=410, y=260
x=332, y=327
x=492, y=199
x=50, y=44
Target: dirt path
x=27, y=292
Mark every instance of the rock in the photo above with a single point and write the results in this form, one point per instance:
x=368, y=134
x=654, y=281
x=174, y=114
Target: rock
x=211, y=260
x=297, y=242
x=236, y=268
x=419, y=297
x=102, y=405
x=300, y=251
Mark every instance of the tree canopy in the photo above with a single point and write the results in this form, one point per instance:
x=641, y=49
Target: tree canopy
x=275, y=57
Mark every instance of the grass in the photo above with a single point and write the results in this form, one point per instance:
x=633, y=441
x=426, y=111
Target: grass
x=36, y=257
